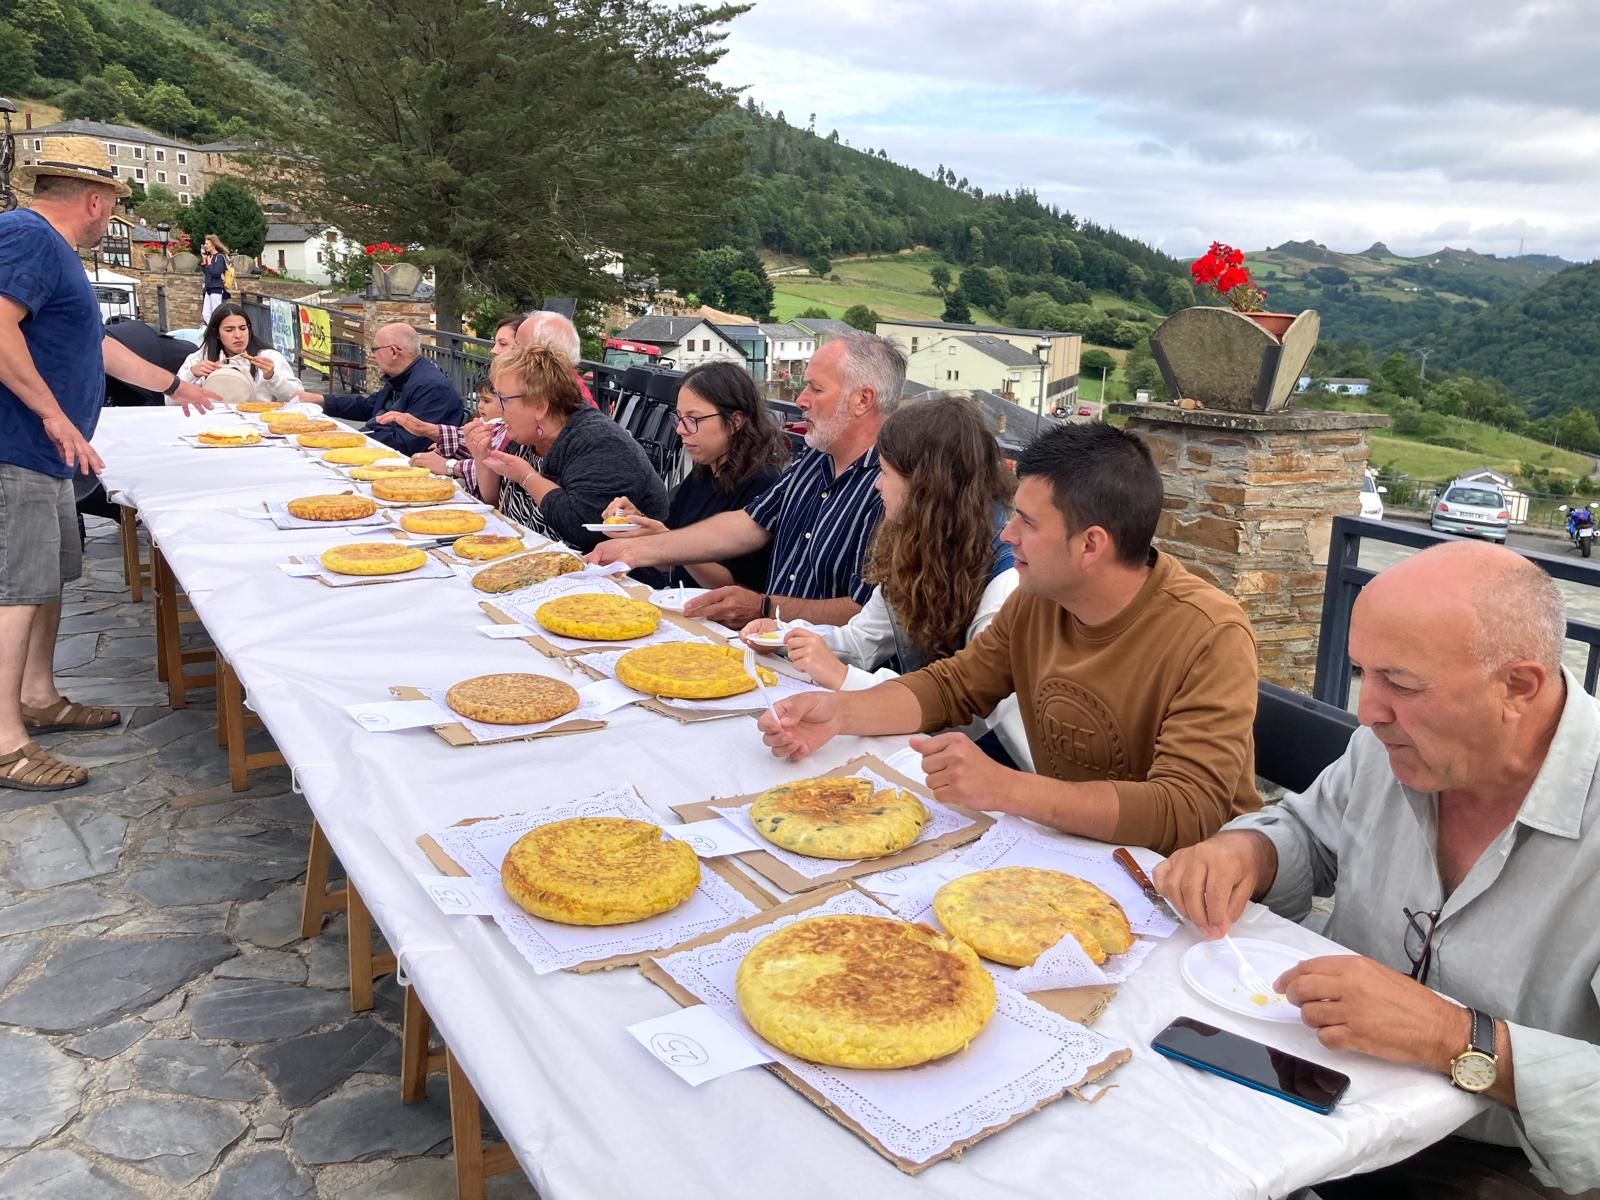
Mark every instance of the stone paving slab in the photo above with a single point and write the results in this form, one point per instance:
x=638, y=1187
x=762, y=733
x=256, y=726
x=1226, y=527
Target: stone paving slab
x=165, y=1034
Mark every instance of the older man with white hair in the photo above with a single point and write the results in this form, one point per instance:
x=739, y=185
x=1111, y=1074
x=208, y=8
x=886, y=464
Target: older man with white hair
x=412, y=384
x=552, y=331
x=821, y=513
x=1462, y=829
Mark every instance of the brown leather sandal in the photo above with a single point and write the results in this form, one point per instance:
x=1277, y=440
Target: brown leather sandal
x=31, y=769
x=67, y=716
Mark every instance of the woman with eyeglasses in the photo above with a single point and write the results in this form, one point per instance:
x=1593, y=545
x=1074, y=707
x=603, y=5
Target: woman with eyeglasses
x=941, y=570
x=565, y=460
x=738, y=452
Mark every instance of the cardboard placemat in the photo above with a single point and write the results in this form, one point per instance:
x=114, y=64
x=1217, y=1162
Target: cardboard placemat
x=792, y=881
x=656, y=975
x=459, y=736
x=731, y=875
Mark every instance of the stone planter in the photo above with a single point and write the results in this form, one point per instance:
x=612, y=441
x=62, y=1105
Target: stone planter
x=396, y=281
x=1229, y=361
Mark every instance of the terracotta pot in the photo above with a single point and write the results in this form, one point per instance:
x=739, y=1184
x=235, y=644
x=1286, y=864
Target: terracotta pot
x=1277, y=324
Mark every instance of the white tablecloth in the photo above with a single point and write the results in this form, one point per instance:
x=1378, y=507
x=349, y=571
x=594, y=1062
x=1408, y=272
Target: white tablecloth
x=587, y=1111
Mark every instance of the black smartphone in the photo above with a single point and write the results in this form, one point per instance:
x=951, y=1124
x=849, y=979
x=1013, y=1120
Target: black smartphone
x=1307, y=1084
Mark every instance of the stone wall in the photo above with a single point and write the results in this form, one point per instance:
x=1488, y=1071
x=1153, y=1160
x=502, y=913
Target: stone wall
x=1250, y=502
x=377, y=313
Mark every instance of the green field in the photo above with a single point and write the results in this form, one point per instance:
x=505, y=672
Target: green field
x=899, y=286
x=1486, y=446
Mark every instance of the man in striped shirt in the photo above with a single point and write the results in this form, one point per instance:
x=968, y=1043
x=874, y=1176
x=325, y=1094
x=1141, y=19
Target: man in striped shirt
x=821, y=513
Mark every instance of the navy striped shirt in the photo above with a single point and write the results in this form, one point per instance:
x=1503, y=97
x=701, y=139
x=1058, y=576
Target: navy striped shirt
x=821, y=527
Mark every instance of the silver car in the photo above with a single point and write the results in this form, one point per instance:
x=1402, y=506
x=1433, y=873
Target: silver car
x=1472, y=509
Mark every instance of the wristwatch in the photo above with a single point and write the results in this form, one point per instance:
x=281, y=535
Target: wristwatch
x=1474, y=1069
x=172, y=387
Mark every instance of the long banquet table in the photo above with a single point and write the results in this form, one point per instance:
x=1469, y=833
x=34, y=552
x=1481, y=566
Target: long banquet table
x=587, y=1112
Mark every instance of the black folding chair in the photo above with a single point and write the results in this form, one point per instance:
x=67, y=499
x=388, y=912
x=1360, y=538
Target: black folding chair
x=1297, y=737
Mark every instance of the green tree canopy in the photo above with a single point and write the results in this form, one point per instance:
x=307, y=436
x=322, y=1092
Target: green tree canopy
x=1577, y=428
x=814, y=312
x=1095, y=360
x=516, y=141
x=160, y=203
x=17, y=63
x=65, y=46
x=939, y=276
x=93, y=100
x=166, y=108
x=726, y=278
x=861, y=317
x=956, y=309
x=230, y=212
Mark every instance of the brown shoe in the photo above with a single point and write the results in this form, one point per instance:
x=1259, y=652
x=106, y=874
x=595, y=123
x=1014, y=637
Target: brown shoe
x=66, y=716
x=31, y=769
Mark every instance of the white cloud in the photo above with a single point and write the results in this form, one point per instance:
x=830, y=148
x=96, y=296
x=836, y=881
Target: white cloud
x=1180, y=121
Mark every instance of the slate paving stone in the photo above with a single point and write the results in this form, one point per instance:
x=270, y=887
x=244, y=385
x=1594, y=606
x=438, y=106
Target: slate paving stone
x=93, y=980
x=173, y=881
x=99, y=622
x=363, y=1122
x=75, y=651
x=171, y=725
x=194, y=1069
x=429, y=1179
x=244, y=841
x=139, y=800
x=60, y=1175
x=138, y=646
x=61, y=842
x=101, y=749
x=180, y=1140
x=272, y=922
x=110, y=1041
x=260, y=1010
x=210, y=918
x=42, y=1092
x=59, y=906
x=305, y=1069
x=329, y=964
x=265, y=964
x=261, y=1174
x=15, y=955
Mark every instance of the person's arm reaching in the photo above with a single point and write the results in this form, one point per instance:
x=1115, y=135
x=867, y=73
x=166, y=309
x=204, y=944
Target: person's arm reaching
x=347, y=407
x=122, y=363
x=723, y=536
x=803, y=724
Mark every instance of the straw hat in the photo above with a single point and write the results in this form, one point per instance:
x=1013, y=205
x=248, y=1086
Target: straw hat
x=29, y=172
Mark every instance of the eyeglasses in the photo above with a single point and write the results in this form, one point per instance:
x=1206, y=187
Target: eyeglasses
x=1419, y=941
x=503, y=398
x=689, y=422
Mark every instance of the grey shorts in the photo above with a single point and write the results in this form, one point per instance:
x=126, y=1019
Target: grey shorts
x=39, y=546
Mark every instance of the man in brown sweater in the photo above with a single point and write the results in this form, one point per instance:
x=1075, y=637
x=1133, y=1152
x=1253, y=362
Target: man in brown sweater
x=1136, y=680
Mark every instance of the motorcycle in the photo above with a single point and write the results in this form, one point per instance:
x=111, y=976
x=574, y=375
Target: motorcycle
x=1580, y=529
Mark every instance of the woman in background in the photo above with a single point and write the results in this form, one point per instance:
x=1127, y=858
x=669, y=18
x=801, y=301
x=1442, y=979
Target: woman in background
x=214, y=266
x=937, y=558
x=229, y=341
x=738, y=453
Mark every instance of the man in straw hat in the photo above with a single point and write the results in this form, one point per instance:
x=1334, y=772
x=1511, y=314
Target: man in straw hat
x=53, y=362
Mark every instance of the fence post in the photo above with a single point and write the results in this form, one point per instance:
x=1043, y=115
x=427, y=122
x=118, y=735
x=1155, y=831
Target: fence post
x=161, y=307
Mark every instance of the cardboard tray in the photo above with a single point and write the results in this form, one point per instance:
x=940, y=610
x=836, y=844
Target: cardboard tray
x=460, y=737
x=656, y=975
x=792, y=881
x=737, y=879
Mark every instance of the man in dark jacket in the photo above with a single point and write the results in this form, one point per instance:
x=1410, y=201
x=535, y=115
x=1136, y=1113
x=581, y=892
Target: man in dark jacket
x=412, y=385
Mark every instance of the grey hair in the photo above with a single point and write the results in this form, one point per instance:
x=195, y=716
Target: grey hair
x=1522, y=617
x=554, y=332
x=873, y=362
x=406, y=339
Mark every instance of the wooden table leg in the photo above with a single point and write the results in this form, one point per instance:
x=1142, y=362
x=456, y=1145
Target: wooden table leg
x=230, y=710
x=132, y=569
x=365, y=966
x=475, y=1165
x=418, y=1058
x=169, y=667
x=318, y=900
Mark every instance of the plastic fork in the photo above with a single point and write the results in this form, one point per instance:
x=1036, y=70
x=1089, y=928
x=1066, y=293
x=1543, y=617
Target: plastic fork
x=1248, y=974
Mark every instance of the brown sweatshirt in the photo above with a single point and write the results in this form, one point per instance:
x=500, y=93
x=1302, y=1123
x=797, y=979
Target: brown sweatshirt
x=1160, y=701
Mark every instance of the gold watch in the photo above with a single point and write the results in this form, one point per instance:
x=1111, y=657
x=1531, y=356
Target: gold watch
x=1474, y=1069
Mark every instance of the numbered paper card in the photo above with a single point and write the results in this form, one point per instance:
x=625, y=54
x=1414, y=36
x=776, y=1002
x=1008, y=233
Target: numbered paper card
x=456, y=895
x=696, y=1044
x=713, y=837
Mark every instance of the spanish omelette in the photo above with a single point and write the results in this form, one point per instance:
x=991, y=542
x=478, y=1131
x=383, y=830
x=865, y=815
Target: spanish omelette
x=841, y=817
x=688, y=671
x=868, y=992
x=228, y=437
x=1014, y=914
x=346, y=507
x=360, y=456
x=386, y=469
x=599, y=618
x=599, y=871
x=486, y=545
x=427, y=489
x=512, y=699
x=442, y=520
x=331, y=441
x=373, y=558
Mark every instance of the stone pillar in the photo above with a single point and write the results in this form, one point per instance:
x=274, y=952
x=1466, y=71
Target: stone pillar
x=1250, y=502
x=377, y=313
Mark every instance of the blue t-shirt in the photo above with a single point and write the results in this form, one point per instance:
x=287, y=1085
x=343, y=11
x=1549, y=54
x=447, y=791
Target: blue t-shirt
x=62, y=331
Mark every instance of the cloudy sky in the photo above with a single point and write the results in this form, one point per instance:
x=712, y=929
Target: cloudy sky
x=1415, y=122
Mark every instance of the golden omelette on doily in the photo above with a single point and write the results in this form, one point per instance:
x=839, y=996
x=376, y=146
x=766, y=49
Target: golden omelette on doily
x=345, y=507
x=688, y=671
x=292, y=422
x=429, y=489
x=486, y=545
x=868, y=992
x=1012, y=915
x=525, y=570
x=258, y=406
x=512, y=699
x=386, y=469
x=443, y=521
x=334, y=440
x=373, y=558
x=599, y=871
x=228, y=437
x=598, y=618
x=842, y=817
x=361, y=456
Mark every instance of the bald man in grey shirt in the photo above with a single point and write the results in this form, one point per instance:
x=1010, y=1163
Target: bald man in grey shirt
x=1460, y=838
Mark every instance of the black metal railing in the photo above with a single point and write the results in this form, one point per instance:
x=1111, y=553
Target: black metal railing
x=345, y=367
x=462, y=359
x=1346, y=578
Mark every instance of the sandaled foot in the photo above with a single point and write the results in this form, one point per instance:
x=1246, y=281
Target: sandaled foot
x=31, y=769
x=67, y=716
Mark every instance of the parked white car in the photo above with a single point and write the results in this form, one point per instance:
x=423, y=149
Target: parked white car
x=1372, y=497
x=1472, y=509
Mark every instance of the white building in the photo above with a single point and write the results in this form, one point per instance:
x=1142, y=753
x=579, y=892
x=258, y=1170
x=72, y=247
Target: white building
x=687, y=341
x=301, y=251
x=789, y=349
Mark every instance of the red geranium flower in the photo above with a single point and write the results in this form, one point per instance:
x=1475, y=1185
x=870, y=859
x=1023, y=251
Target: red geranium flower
x=372, y=249
x=385, y=246
x=1222, y=270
